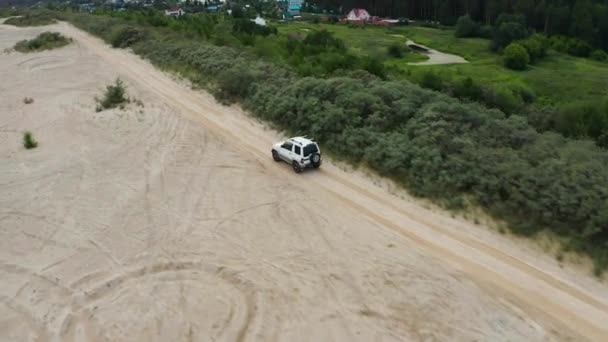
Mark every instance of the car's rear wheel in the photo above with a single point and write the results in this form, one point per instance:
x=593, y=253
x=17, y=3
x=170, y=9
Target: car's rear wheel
x=296, y=167
x=316, y=160
x=275, y=156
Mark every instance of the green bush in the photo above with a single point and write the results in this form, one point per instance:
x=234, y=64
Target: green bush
x=321, y=41
x=578, y=48
x=8, y=12
x=486, y=31
x=28, y=141
x=114, y=95
x=536, y=46
x=222, y=34
x=467, y=88
x=44, y=41
x=509, y=28
x=235, y=83
x=126, y=36
x=396, y=50
x=584, y=119
x=374, y=67
x=526, y=94
x=502, y=98
x=432, y=80
x=573, y=46
x=559, y=43
x=599, y=55
x=516, y=57
x=466, y=27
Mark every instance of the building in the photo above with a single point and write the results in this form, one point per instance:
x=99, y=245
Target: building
x=294, y=7
x=358, y=14
x=174, y=12
x=259, y=20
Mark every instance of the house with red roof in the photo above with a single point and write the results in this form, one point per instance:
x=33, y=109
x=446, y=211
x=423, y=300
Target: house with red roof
x=358, y=14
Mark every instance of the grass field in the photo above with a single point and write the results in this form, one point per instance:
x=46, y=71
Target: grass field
x=557, y=79
x=361, y=41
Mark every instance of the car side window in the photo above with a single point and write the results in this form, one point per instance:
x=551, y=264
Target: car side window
x=287, y=146
x=297, y=150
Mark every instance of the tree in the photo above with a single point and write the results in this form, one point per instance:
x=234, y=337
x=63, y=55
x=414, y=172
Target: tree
x=536, y=45
x=466, y=27
x=516, y=57
x=582, y=19
x=599, y=55
x=509, y=28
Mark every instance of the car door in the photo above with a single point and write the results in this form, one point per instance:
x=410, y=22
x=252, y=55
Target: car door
x=297, y=153
x=285, y=151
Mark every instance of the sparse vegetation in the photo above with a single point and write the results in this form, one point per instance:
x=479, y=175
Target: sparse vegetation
x=28, y=141
x=44, y=41
x=114, y=96
x=28, y=100
x=35, y=18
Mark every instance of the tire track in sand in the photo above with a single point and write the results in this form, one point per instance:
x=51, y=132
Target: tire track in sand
x=241, y=315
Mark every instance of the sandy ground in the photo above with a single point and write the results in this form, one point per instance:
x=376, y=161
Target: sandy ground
x=437, y=57
x=171, y=222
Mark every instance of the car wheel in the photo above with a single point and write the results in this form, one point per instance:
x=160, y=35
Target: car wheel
x=316, y=160
x=275, y=156
x=296, y=167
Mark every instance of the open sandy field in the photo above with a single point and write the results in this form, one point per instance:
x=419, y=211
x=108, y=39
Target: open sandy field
x=171, y=222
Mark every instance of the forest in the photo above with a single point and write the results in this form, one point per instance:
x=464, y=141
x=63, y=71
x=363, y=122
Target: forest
x=584, y=19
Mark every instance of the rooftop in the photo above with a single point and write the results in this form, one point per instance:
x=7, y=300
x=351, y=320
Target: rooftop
x=302, y=141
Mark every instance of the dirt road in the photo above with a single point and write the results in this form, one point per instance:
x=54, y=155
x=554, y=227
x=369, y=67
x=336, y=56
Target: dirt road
x=171, y=222
x=436, y=57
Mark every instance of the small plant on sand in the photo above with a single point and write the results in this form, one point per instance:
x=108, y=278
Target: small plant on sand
x=28, y=141
x=44, y=41
x=28, y=100
x=113, y=97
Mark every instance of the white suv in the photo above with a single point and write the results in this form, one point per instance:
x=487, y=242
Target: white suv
x=300, y=152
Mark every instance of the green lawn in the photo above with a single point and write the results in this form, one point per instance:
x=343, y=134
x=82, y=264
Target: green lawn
x=557, y=79
x=563, y=78
x=361, y=41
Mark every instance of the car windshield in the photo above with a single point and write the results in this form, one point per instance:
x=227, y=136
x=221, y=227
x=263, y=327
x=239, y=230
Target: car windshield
x=310, y=149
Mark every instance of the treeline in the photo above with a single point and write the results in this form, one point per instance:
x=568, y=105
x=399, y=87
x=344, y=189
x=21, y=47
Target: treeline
x=584, y=19
x=437, y=146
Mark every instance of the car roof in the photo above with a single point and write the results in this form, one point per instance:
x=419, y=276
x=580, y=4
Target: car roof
x=302, y=141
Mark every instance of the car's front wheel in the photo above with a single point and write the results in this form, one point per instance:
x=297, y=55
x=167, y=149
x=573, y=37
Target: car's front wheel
x=275, y=156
